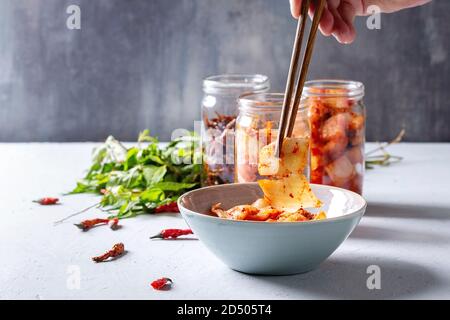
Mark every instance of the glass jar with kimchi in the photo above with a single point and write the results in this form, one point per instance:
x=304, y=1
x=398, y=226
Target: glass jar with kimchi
x=219, y=112
x=337, y=120
x=257, y=126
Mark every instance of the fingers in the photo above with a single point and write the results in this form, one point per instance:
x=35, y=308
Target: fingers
x=396, y=5
x=338, y=15
x=347, y=33
x=326, y=22
x=337, y=18
x=295, y=7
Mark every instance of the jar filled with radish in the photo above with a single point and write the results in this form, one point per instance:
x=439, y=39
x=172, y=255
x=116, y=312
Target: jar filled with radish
x=257, y=126
x=337, y=121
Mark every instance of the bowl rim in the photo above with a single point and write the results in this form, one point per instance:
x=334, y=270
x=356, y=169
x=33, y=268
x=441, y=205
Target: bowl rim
x=349, y=215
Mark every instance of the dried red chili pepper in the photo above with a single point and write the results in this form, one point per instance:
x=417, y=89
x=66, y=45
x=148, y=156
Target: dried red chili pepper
x=88, y=224
x=117, y=250
x=220, y=122
x=114, y=223
x=172, y=233
x=47, y=201
x=160, y=284
x=170, y=207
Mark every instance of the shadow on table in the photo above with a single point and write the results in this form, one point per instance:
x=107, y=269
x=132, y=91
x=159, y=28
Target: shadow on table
x=384, y=230
x=378, y=209
x=339, y=278
x=388, y=233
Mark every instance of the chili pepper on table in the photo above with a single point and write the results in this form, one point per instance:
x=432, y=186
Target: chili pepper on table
x=162, y=283
x=172, y=233
x=169, y=207
x=114, y=224
x=47, y=201
x=88, y=224
x=117, y=250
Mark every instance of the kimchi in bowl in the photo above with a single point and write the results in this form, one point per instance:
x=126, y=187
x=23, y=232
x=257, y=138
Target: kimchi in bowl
x=270, y=248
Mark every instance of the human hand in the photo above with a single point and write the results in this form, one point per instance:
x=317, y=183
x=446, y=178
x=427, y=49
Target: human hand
x=338, y=15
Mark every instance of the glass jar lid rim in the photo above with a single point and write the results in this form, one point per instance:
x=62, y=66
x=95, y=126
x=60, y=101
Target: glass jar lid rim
x=272, y=101
x=251, y=82
x=347, y=88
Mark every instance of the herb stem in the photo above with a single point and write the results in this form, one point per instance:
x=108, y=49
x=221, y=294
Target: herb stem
x=382, y=147
x=385, y=158
x=76, y=213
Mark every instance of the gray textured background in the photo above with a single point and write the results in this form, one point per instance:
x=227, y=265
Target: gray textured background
x=139, y=64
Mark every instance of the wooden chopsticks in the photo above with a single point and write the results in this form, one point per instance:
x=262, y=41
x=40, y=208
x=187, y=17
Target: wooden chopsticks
x=289, y=110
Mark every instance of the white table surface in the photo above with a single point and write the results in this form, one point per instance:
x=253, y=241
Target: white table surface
x=406, y=232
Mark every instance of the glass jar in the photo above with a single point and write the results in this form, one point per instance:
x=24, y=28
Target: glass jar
x=219, y=112
x=337, y=121
x=256, y=126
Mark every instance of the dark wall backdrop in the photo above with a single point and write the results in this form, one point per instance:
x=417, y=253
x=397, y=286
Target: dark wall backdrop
x=138, y=64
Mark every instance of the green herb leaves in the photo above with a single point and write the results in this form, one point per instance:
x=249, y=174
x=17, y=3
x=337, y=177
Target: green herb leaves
x=154, y=174
x=142, y=178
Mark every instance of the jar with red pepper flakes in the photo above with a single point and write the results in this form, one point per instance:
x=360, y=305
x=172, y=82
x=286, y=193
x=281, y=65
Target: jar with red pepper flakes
x=219, y=112
x=257, y=126
x=337, y=120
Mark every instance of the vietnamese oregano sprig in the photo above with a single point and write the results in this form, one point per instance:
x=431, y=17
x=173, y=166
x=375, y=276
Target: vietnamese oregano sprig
x=142, y=178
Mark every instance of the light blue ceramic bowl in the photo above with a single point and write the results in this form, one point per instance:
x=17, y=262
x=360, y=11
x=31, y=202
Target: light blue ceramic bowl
x=270, y=248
